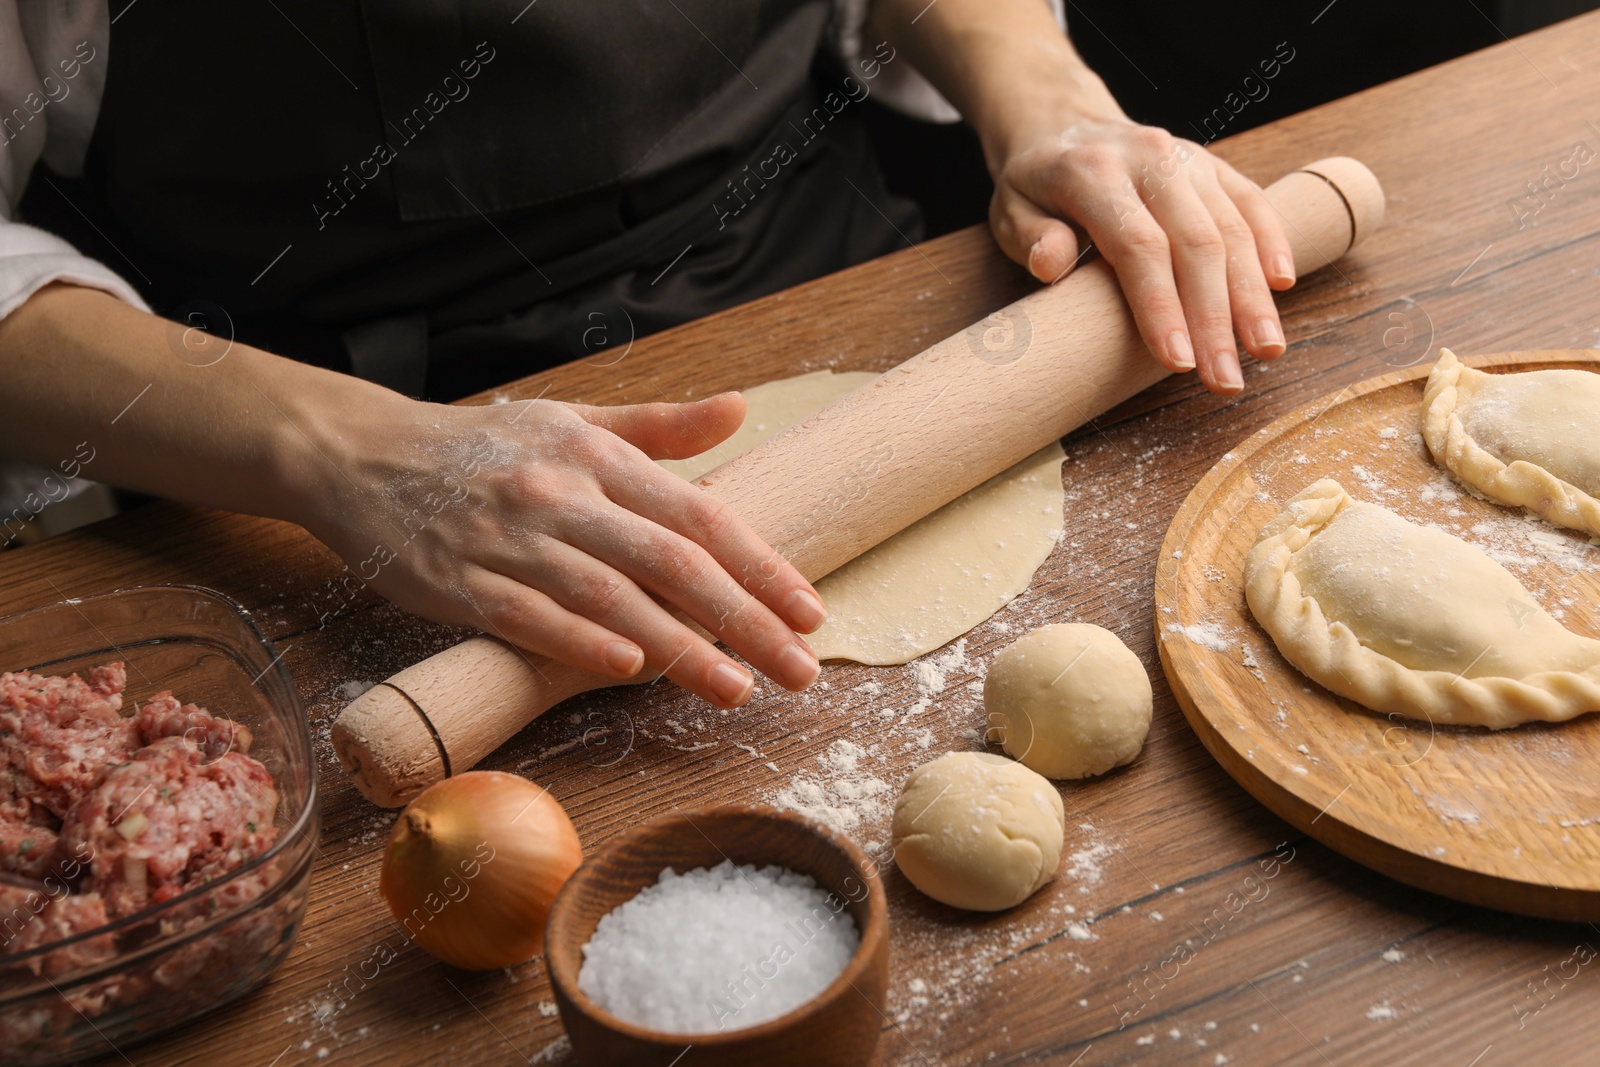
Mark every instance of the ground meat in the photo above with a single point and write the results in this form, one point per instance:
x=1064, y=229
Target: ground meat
x=162, y=716
x=103, y=814
x=168, y=820
x=27, y=832
x=58, y=734
x=248, y=937
x=30, y=918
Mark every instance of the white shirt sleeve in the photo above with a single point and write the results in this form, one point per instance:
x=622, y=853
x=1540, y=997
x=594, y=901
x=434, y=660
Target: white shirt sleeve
x=52, y=78
x=896, y=82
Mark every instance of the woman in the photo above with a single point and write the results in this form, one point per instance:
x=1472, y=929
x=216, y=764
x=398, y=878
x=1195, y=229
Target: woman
x=419, y=200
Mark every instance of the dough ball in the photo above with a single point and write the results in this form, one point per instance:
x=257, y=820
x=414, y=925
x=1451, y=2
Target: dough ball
x=976, y=830
x=1069, y=701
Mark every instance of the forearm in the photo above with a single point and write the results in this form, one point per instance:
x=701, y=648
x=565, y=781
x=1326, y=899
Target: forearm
x=87, y=374
x=1004, y=64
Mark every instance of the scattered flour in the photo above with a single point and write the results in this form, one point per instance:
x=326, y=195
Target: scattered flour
x=932, y=672
x=1084, y=864
x=1205, y=634
x=1373, y=484
x=555, y=1050
x=844, y=795
x=1381, y=1011
x=1440, y=488
x=844, y=787
x=1446, y=810
x=1393, y=955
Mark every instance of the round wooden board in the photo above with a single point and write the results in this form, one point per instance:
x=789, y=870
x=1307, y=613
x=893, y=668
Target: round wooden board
x=1507, y=819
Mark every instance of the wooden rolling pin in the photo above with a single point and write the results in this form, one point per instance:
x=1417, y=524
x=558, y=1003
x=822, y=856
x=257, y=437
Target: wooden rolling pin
x=854, y=474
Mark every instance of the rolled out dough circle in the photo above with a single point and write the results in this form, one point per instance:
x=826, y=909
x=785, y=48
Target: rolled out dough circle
x=939, y=577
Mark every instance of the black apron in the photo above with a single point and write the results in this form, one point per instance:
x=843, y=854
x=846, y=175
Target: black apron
x=442, y=197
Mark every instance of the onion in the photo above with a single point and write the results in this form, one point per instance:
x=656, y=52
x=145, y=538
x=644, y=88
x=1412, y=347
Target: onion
x=473, y=864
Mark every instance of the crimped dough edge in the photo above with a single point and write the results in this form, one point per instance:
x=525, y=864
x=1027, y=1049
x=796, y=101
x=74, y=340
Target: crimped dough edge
x=1518, y=483
x=1331, y=654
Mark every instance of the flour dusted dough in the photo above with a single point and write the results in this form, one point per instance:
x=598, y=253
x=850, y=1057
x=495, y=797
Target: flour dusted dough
x=936, y=579
x=771, y=408
x=1530, y=439
x=1408, y=619
x=1069, y=700
x=978, y=831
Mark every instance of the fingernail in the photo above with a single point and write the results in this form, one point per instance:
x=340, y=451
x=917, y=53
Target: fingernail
x=1269, y=336
x=624, y=659
x=1228, y=377
x=805, y=610
x=797, y=667
x=1179, y=352
x=1034, y=254
x=1283, y=267
x=730, y=684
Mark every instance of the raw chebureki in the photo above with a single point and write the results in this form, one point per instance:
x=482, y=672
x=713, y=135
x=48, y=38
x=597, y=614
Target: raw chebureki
x=1526, y=438
x=1408, y=619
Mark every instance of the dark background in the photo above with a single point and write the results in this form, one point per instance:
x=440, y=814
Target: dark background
x=1170, y=62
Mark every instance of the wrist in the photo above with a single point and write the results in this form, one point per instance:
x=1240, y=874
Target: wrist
x=1052, y=92
x=327, y=423
x=1005, y=64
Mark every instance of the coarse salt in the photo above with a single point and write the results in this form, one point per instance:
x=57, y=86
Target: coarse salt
x=716, y=949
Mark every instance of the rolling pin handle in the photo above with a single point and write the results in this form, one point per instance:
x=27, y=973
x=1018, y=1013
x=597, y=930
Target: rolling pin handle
x=1358, y=187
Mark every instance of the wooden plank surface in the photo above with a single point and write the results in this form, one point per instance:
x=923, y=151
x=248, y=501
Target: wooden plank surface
x=1319, y=962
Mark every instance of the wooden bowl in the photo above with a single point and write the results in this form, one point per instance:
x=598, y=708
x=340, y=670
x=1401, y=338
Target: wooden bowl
x=839, y=1026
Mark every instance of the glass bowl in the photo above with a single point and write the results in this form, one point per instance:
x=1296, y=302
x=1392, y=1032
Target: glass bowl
x=96, y=991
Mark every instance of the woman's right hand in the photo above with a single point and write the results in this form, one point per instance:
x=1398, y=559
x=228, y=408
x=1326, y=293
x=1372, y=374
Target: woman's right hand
x=549, y=526
x=544, y=524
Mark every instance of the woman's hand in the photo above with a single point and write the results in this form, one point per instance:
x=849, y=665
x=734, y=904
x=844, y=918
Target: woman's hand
x=1195, y=244
x=547, y=525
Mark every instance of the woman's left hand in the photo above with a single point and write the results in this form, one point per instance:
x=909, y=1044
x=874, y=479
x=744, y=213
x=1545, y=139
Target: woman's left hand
x=1195, y=244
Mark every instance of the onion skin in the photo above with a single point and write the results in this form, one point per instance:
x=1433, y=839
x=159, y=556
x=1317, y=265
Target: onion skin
x=473, y=864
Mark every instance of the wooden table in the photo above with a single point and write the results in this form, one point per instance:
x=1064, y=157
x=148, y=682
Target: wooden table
x=1323, y=963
